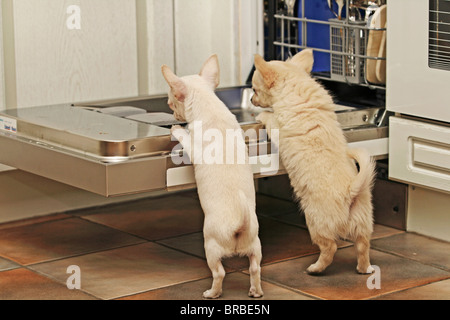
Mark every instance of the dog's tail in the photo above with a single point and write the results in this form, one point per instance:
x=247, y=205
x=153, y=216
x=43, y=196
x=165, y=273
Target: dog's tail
x=364, y=179
x=244, y=214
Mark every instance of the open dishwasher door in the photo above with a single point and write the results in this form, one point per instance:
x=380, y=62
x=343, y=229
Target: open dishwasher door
x=122, y=147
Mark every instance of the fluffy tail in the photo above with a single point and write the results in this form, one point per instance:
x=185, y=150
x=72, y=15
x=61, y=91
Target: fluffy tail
x=364, y=179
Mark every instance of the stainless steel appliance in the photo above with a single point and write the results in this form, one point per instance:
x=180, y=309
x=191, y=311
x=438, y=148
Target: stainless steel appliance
x=124, y=146
x=121, y=147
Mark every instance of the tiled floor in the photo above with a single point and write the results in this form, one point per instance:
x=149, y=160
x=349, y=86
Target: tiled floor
x=153, y=249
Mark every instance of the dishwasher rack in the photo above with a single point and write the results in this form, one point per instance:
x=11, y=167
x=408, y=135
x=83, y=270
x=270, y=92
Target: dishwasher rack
x=356, y=51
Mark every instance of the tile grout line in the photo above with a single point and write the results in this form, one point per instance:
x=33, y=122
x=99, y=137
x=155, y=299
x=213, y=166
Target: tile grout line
x=156, y=241
x=23, y=223
x=411, y=288
x=396, y=254
x=298, y=291
x=26, y=267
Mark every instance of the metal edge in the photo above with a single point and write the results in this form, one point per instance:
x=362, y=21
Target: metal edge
x=106, y=179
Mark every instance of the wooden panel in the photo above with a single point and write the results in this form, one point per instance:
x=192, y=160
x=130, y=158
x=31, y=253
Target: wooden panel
x=57, y=64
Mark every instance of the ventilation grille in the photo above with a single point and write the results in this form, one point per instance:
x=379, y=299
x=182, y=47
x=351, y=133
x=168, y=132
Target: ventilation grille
x=439, y=35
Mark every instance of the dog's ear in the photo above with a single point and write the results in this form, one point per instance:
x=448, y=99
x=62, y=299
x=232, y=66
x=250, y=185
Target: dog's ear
x=211, y=71
x=268, y=73
x=177, y=85
x=304, y=59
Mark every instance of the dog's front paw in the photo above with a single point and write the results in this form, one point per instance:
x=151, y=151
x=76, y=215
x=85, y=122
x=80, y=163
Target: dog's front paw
x=365, y=270
x=255, y=293
x=315, y=269
x=175, y=128
x=211, y=294
x=263, y=117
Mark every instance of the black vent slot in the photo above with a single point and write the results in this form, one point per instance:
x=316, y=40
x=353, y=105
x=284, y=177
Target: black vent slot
x=439, y=35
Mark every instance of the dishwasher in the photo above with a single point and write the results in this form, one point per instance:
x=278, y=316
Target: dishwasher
x=124, y=146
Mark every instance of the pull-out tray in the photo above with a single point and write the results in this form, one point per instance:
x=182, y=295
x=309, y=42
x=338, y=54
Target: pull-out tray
x=124, y=146
x=104, y=136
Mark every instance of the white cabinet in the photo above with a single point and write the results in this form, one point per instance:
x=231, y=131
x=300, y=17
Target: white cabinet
x=213, y=32
x=419, y=153
x=59, y=57
x=155, y=23
x=231, y=29
x=83, y=50
x=2, y=77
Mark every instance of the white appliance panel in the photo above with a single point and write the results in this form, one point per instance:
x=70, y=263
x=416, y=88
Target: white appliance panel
x=412, y=86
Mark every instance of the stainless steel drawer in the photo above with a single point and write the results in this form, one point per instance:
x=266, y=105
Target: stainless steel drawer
x=97, y=148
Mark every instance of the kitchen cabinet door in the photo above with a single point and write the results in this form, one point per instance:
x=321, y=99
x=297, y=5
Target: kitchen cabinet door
x=213, y=32
x=230, y=29
x=155, y=23
x=419, y=153
x=73, y=51
x=183, y=34
x=2, y=77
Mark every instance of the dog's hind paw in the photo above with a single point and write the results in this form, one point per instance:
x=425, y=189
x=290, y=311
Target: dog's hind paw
x=211, y=294
x=254, y=293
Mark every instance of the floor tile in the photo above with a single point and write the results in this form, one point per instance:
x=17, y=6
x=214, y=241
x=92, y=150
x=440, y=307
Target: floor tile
x=281, y=241
x=435, y=291
x=270, y=206
x=35, y=220
x=125, y=271
x=340, y=280
x=417, y=247
x=7, y=265
x=294, y=241
x=23, y=284
x=265, y=204
x=58, y=239
x=194, y=244
x=190, y=243
x=298, y=219
x=380, y=231
x=154, y=218
x=235, y=287
x=294, y=218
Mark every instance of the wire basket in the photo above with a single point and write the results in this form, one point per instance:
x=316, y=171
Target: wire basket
x=351, y=42
x=348, y=53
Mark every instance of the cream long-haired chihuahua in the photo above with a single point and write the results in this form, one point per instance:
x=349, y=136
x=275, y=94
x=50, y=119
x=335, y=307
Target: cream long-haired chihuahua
x=335, y=197
x=226, y=191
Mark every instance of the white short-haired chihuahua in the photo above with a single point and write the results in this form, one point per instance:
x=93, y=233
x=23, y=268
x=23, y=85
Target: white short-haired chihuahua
x=226, y=190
